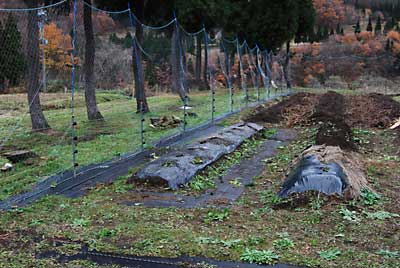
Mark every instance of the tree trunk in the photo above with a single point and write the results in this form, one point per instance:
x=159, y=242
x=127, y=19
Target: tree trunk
x=140, y=94
x=93, y=112
x=198, y=61
x=176, y=66
x=38, y=120
x=286, y=66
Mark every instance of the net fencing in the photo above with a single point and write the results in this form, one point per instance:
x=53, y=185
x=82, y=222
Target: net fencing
x=86, y=85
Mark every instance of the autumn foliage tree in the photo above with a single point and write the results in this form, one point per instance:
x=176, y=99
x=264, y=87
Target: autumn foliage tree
x=329, y=12
x=57, y=50
x=394, y=38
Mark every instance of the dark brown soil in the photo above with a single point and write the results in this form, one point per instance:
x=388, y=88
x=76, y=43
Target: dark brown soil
x=302, y=109
x=373, y=110
x=336, y=133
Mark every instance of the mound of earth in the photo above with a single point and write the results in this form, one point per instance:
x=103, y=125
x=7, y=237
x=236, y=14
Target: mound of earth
x=373, y=110
x=304, y=109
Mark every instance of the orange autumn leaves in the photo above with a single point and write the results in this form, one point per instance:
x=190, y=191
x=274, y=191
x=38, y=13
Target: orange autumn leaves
x=329, y=12
x=58, y=49
x=394, y=36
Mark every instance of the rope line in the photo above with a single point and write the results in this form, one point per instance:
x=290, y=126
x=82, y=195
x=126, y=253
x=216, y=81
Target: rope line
x=32, y=9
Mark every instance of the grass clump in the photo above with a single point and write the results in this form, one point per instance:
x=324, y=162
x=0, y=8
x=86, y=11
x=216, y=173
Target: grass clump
x=259, y=256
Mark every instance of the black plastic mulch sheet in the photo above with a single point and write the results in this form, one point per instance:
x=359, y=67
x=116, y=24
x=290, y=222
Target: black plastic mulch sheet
x=312, y=175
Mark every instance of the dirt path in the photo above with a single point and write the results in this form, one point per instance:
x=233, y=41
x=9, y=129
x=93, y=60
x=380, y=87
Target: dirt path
x=228, y=188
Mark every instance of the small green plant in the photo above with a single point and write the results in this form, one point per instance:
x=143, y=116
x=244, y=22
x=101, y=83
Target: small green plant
x=215, y=241
x=283, y=244
x=381, y=215
x=216, y=216
x=350, y=216
x=270, y=197
x=201, y=183
x=270, y=132
x=197, y=161
x=259, y=256
x=106, y=233
x=80, y=223
x=316, y=203
x=330, y=255
x=255, y=240
x=370, y=198
x=388, y=254
x=236, y=182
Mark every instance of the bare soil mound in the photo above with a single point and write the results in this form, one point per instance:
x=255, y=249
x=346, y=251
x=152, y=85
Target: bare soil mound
x=373, y=110
x=292, y=110
x=303, y=109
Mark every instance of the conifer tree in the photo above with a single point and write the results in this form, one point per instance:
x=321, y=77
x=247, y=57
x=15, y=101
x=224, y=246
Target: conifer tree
x=13, y=61
x=338, y=28
x=378, y=27
x=2, y=76
x=369, y=27
x=357, y=28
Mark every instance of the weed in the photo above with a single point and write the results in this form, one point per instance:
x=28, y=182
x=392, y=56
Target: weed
x=201, y=183
x=80, y=223
x=270, y=197
x=216, y=216
x=106, y=233
x=330, y=255
x=370, y=198
x=254, y=241
x=197, y=161
x=236, y=182
x=388, y=253
x=259, y=256
x=348, y=215
x=283, y=243
x=380, y=215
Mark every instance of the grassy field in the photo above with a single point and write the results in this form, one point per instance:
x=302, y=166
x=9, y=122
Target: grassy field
x=258, y=227
x=98, y=141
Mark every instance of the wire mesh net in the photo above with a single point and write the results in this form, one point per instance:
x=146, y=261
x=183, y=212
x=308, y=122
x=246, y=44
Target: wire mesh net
x=34, y=60
x=101, y=85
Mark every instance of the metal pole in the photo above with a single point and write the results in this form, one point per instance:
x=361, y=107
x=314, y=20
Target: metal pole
x=185, y=104
x=142, y=120
x=73, y=122
x=42, y=19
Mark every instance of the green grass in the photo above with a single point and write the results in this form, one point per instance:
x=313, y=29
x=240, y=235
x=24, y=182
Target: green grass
x=255, y=228
x=98, y=141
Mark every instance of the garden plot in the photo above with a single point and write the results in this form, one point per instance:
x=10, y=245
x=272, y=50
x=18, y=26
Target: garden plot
x=231, y=183
x=179, y=167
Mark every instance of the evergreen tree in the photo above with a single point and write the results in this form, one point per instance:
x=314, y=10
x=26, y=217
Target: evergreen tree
x=369, y=27
x=2, y=75
x=389, y=25
x=338, y=28
x=332, y=32
x=325, y=33
x=388, y=45
x=13, y=61
x=341, y=31
x=378, y=27
x=357, y=28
